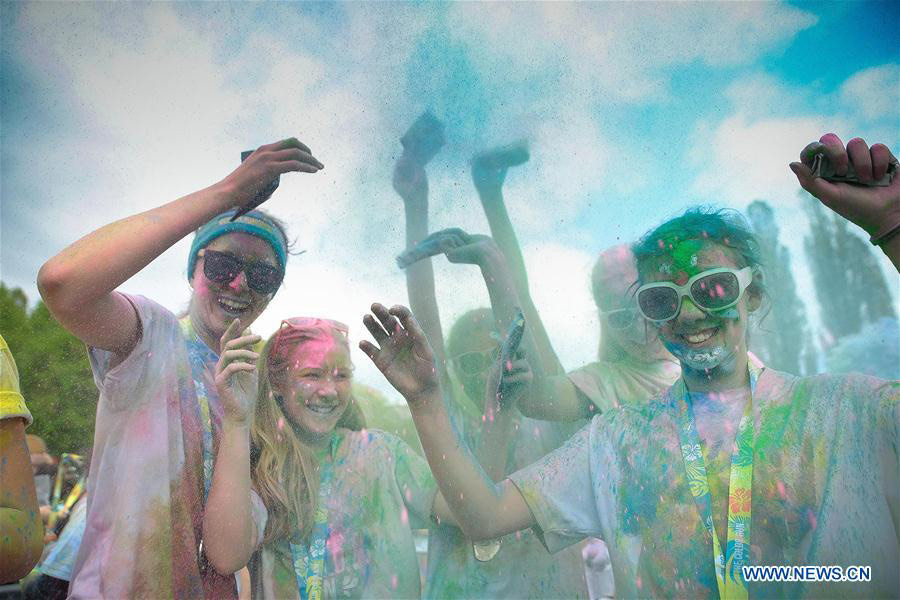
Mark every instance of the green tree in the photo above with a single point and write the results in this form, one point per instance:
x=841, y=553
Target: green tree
x=782, y=339
x=850, y=286
x=54, y=373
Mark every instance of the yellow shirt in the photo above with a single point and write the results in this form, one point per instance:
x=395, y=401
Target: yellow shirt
x=12, y=404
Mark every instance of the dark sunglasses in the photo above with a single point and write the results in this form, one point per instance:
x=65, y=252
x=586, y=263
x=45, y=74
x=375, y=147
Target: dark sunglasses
x=712, y=290
x=223, y=267
x=476, y=361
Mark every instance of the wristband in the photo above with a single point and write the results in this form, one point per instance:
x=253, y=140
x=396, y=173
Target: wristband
x=486, y=550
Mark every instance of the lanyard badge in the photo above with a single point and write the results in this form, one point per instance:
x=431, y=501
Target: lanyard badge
x=309, y=562
x=728, y=564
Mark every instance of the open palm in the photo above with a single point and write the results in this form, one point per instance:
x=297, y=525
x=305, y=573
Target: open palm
x=402, y=354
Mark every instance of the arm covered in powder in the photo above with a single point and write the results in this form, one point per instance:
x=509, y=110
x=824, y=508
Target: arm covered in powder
x=78, y=284
x=483, y=510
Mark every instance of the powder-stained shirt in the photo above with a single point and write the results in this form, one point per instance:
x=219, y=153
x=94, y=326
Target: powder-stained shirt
x=380, y=491
x=610, y=384
x=522, y=568
x=145, y=487
x=12, y=404
x=825, y=490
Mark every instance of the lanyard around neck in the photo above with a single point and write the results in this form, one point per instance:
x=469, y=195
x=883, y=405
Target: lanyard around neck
x=200, y=355
x=728, y=566
x=309, y=563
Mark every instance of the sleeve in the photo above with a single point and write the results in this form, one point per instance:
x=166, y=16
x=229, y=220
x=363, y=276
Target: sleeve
x=142, y=370
x=415, y=482
x=588, y=380
x=12, y=403
x=558, y=489
x=259, y=515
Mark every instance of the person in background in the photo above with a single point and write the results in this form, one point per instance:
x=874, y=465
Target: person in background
x=55, y=571
x=21, y=529
x=44, y=468
x=516, y=566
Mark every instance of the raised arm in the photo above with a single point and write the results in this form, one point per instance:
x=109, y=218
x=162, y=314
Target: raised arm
x=411, y=183
x=78, y=284
x=875, y=209
x=229, y=534
x=549, y=395
x=482, y=509
x=488, y=173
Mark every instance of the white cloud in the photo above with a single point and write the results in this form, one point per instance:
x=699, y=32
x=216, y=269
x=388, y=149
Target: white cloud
x=620, y=51
x=874, y=93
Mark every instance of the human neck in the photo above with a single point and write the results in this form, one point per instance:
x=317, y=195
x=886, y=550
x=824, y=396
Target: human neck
x=203, y=332
x=319, y=443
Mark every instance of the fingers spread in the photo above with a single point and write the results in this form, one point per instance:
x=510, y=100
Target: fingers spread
x=370, y=349
x=375, y=329
x=406, y=318
x=388, y=321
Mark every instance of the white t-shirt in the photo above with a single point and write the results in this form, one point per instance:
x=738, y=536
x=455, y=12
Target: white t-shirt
x=145, y=489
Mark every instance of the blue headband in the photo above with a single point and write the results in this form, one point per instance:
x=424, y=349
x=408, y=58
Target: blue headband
x=254, y=222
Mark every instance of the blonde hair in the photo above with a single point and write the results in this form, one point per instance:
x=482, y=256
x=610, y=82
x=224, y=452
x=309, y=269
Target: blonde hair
x=284, y=470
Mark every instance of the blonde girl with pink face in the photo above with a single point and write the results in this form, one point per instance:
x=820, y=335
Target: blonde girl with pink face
x=331, y=505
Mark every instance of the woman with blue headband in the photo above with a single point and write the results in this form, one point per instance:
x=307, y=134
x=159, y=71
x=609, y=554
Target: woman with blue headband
x=159, y=419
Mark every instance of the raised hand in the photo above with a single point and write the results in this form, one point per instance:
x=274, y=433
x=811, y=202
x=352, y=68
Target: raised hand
x=510, y=380
x=402, y=353
x=410, y=180
x=235, y=377
x=464, y=248
x=267, y=163
x=875, y=209
x=489, y=167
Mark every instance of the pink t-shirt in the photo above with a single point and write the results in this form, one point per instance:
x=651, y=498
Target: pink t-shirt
x=145, y=489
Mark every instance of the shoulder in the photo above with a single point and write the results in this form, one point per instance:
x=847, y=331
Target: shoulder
x=835, y=389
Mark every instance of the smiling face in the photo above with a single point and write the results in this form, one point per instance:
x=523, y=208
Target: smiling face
x=215, y=305
x=711, y=346
x=311, y=380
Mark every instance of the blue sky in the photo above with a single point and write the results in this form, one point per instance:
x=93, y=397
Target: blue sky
x=633, y=111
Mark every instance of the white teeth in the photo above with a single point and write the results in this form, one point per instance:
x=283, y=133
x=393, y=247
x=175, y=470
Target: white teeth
x=235, y=305
x=699, y=337
x=322, y=410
